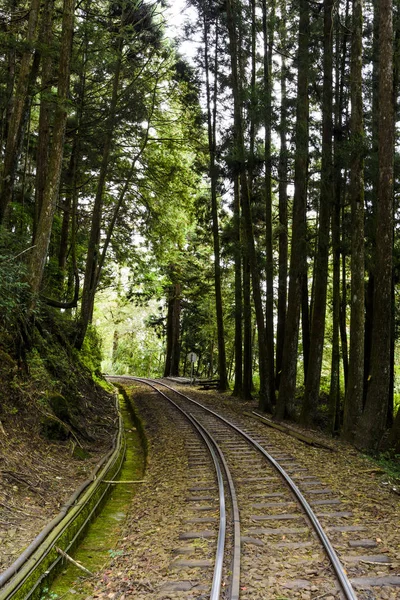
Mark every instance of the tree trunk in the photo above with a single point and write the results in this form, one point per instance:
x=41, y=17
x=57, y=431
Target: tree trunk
x=51, y=191
x=17, y=121
x=238, y=387
x=394, y=438
x=265, y=400
x=173, y=331
x=305, y=315
x=334, y=391
x=42, y=157
x=311, y=396
x=211, y=122
x=268, y=33
x=354, y=394
x=247, y=331
x=373, y=421
x=287, y=388
x=93, y=254
x=283, y=218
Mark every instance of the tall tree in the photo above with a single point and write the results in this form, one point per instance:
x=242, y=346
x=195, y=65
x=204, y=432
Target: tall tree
x=354, y=394
x=283, y=203
x=373, y=422
x=265, y=400
x=212, y=146
x=311, y=395
x=24, y=80
x=268, y=21
x=287, y=387
x=51, y=190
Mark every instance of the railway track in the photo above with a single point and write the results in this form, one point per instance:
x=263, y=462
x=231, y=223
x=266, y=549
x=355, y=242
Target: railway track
x=277, y=516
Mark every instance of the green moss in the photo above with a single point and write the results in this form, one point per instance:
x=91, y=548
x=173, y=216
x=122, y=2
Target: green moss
x=101, y=540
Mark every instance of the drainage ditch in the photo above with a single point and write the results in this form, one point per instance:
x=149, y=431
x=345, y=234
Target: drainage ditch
x=100, y=542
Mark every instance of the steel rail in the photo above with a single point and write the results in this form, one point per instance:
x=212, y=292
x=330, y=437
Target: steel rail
x=345, y=584
x=210, y=443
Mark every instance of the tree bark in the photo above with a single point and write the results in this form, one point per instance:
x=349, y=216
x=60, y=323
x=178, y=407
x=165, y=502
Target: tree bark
x=173, y=331
x=51, y=192
x=42, y=157
x=373, y=421
x=268, y=34
x=354, y=394
x=283, y=214
x=238, y=386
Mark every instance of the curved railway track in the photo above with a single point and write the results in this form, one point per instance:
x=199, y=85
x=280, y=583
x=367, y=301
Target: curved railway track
x=254, y=473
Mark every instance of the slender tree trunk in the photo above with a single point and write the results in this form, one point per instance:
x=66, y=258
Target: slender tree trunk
x=311, y=396
x=268, y=34
x=394, y=438
x=343, y=307
x=51, y=191
x=265, y=401
x=238, y=387
x=369, y=311
x=373, y=421
x=93, y=254
x=305, y=315
x=354, y=396
x=42, y=157
x=287, y=388
x=211, y=122
x=17, y=121
x=176, y=325
x=7, y=108
x=334, y=392
x=283, y=216
x=247, y=332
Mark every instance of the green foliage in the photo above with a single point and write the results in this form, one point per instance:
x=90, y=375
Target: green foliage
x=396, y=403
x=14, y=290
x=390, y=463
x=91, y=355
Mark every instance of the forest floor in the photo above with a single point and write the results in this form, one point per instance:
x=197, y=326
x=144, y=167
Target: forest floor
x=37, y=475
x=143, y=556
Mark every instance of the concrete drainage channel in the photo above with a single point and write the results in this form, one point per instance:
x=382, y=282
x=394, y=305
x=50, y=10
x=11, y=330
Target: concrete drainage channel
x=41, y=561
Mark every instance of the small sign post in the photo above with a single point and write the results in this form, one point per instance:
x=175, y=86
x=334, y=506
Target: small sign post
x=193, y=359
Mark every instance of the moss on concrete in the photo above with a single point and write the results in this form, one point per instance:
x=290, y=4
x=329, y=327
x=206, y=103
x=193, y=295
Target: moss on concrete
x=100, y=543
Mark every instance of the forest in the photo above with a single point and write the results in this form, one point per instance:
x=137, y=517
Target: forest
x=242, y=201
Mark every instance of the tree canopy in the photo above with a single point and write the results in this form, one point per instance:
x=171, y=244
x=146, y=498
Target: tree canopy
x=241, y=203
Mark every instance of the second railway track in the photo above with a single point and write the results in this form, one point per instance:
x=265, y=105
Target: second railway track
x=288, y=519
